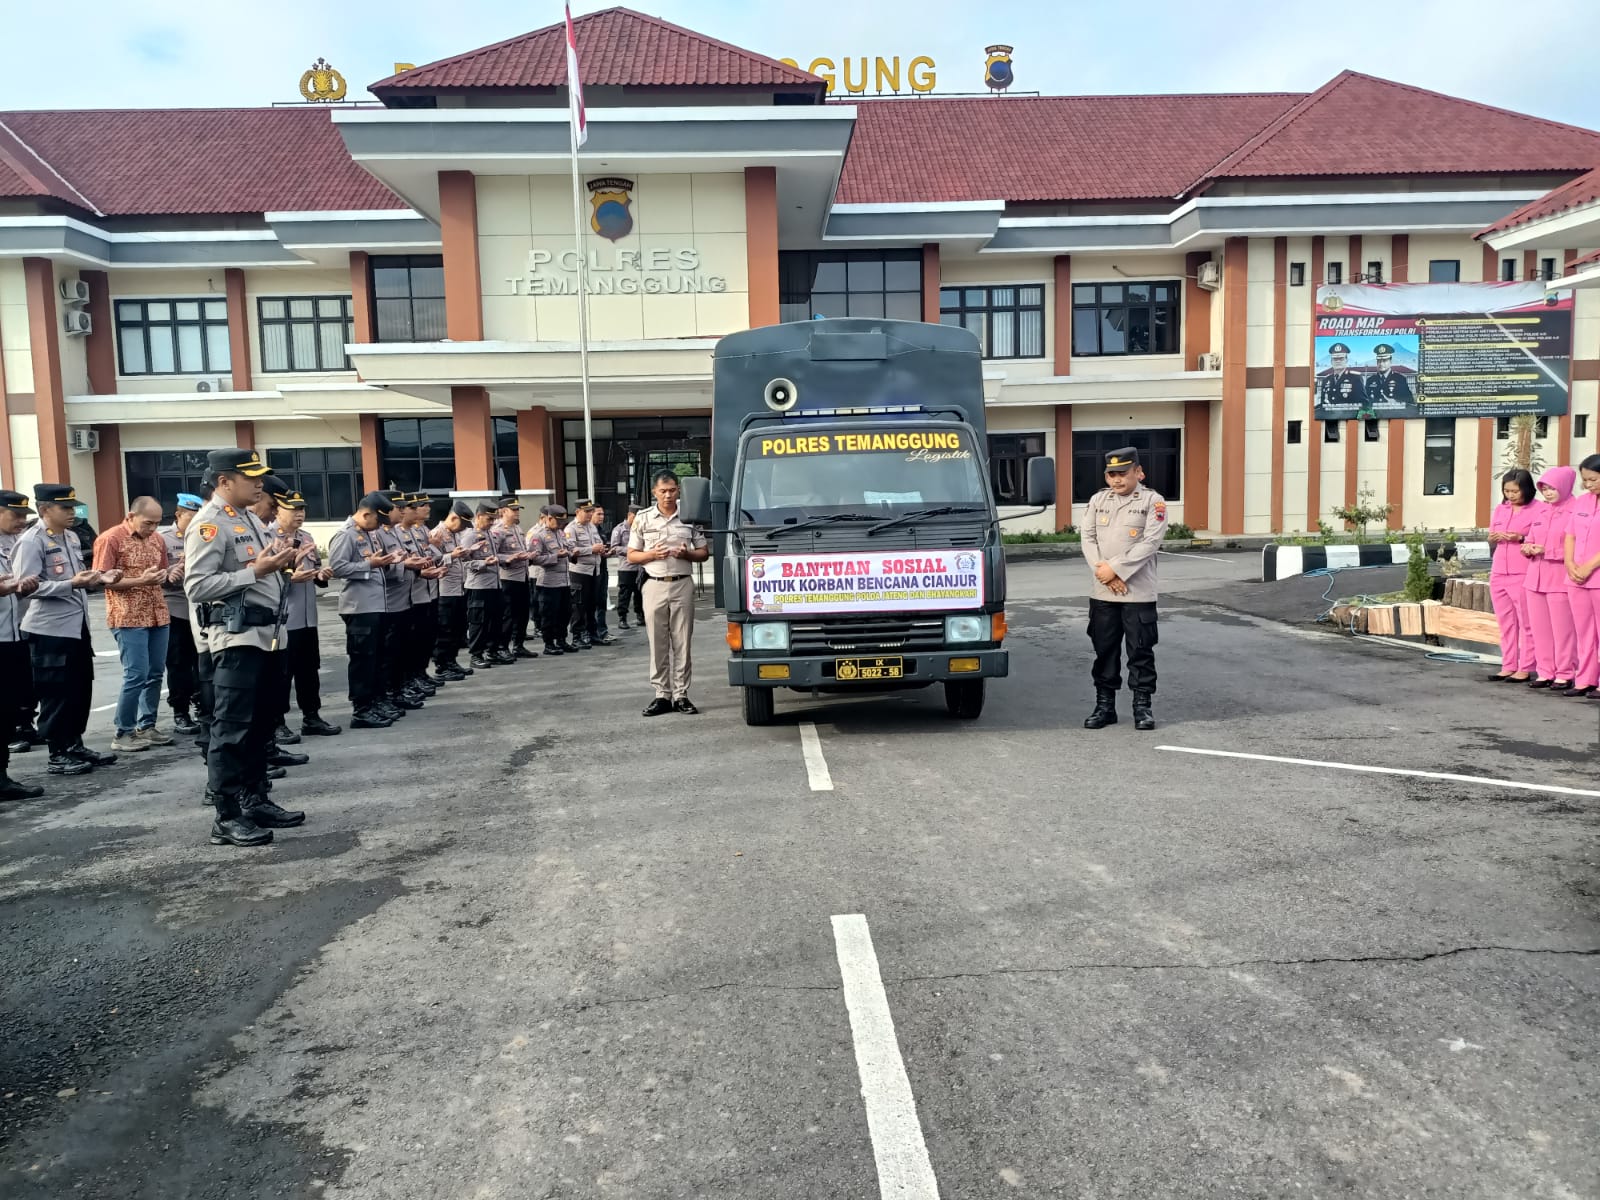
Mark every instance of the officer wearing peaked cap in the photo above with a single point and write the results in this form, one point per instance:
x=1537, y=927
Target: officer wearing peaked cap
x=451, y=633
x=15, y=671
x=511, y=548
x=485, y=610
x=1386, y=386
x=552, y=552
x=1122, y=530
x=1339, y=385
x=306, y=578
x=359, y=561
x=235, y=582
x=399, y=692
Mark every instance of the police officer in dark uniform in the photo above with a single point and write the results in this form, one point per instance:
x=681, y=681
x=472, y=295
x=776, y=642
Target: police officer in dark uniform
x=1386, y=386
x=14, y=667
x=1339, y=385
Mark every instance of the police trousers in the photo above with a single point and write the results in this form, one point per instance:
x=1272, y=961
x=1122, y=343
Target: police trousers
x=395, y=629
x=63, y=677
x=583, y=590
x=514, y=623
x=450, y=632
x=363, y=644
x=629, y=592
x=305, y=658
x=205, y=698
x=14, y=667
x=555, y=607
x=1112, y=623
x=419, y=639
x=242, y=718
x=181, y=663
x=669, y=620
x=485, y=613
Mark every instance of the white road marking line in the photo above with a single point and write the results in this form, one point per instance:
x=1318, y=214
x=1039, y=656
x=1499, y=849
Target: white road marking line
x=816, y=765
x=904, y=1172
x=109, y=707
x=1339, y=766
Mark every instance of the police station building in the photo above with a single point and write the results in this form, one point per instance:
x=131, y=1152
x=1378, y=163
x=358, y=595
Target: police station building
x=386, y=293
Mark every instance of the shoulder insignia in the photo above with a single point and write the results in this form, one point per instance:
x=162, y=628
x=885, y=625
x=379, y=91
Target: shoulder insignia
x=228, y=508
x=208, y=532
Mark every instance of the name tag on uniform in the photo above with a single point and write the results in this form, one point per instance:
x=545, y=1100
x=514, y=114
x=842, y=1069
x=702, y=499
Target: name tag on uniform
x=1133, y=533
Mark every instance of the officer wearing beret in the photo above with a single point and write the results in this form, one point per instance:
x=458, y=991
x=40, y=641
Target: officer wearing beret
x=629, y=574
x=553, y=551
x=1386, y=386
x=511, y=548
x=181, y=680
x=485, y=605
x=358, y=559
x=451, y=632
x=306, y=578
x=1339, y=385
x=14, y=668
x=1122, y=530
x=235, y=583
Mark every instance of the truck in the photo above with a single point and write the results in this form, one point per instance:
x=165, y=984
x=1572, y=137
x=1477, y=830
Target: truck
x=856, y=540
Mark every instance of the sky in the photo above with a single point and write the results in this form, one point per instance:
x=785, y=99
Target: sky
x=175, y=53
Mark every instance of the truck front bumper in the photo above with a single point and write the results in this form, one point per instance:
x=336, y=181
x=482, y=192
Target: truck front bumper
x=922, y=667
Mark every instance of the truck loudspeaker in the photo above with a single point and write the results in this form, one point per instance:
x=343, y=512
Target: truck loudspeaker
x=781, y=395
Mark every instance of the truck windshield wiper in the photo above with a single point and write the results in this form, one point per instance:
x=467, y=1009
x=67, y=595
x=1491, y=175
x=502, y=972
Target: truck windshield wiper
x=811, y=522
x=923, y=513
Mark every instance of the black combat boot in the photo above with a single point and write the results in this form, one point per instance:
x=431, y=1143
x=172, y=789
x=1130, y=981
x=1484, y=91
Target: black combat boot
x=277, y=756
x=285, y=736
x=1105, y=709
x=10, y=789
x=264, y=814
x=370, y=718
x=315, y=726
x=183, y=723
x=1143, y=718
x=232, y=827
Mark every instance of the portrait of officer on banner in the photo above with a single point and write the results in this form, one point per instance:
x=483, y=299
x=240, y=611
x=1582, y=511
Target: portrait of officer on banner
x=1339, y=385
x=1389, y=384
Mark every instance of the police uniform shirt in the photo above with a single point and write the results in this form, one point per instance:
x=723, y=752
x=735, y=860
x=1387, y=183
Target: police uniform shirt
x=414, y=539
x=583, y=538
x=481, y=577
x=1388, y=386
x=364, y=589
x=508, y=540
x=303, y=595
x=172, y=593
x=56, y=609
x=654, y=530
x=1125, y=531
x=218, y=551
x=10, y=605
x=1341, y=387
x=547, y=543
x=619, y=545
x=452, y=582
x=396, y=578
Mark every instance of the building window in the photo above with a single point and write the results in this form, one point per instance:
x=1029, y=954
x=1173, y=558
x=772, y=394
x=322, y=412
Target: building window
x=1009, y=321
x=418, y=454
x=1160, y=454
x=1008, y=464
x=1297, y=274
x=1547, y=268
x=163, y=474
x=1508, y=270
x=305, y=333
x=1580, y=425
x=507, y=463
x=1444, y=270
x=329, y=478
x=1335, y=272
x=408, y=293
x=173, y=337
x=850, y=283
x=1370, y=430
x=1125, y=318
x=1374, y=272
x=1292, y=433
x=628, y=451
x=1502, y=428
x=1330, y=431
x=1439, y=457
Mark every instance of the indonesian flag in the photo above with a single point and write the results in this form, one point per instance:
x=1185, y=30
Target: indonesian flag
x=580, y=120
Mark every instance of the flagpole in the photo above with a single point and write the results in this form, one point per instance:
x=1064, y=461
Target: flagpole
x=583, y=310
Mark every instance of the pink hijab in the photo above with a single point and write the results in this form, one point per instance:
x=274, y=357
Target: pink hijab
x=1563, y=479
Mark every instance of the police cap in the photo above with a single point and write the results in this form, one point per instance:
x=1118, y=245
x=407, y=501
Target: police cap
x=462, y=509
x=292, y=500
x=1118, y=461
x=1383, y=350
x=485, y=507
x=245, y=462
x=54, y=493
x=1338, y=348
x=190, y=502
x=633, y=508
x=585, y=504
x=15, y=501
x=376, y=501
x=552, y=510
x=274, y=487
x=510, y=502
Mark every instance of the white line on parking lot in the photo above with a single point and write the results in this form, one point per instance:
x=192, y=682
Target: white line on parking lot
x=816, y=765
x=1339, y=766
x=904, y=1171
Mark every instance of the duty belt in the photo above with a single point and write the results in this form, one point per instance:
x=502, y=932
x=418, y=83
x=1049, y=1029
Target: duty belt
x=664, y=578
x=216, y=613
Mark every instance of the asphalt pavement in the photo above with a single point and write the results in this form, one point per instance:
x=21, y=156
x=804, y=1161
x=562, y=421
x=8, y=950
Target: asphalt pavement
x=529, y=944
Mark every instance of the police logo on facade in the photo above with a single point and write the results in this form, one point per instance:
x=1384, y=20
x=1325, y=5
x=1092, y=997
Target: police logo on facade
x=611, y=199
x=997, y=68
x=322, y=84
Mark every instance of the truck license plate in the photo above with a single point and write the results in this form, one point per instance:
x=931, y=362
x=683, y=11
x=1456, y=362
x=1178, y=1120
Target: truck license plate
x=860, y=669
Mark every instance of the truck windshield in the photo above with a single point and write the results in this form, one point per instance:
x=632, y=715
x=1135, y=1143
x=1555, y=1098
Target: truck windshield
x=879, y=472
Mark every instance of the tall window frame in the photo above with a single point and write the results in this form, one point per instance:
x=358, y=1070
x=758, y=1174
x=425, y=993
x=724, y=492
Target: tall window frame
x=283, y=321
x=1007, y=318
x=1160, y=454
x=329, y=477
x=1130, y=318
x=163, y=474
x=172, y=335
x=408, y=297
x=850, y=283
x=1439, y=456
x=418, y=454
x=1009, y=455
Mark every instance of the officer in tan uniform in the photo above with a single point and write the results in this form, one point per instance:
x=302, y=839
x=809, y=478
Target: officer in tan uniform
x=664, y=546
x=237, y=590
x=1122, y=530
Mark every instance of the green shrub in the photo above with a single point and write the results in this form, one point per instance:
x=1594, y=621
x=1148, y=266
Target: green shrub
x=1034, y=537
x=1180, y=531
x=1419, y=584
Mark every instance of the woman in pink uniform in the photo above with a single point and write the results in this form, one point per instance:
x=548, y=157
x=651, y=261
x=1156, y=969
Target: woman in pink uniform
x=1507, y=578
x=1549, y=610
x=1582, y=556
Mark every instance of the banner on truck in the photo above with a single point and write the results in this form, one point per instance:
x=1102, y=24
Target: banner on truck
x=1441, y=350
x=865, y=582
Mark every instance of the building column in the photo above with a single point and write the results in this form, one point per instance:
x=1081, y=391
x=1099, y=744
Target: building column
x=1196, y=314
x=1354, y=430
x=244, y=434
x=1280, y=376
x=39, y=284
x=1062, y=325
x=474, y=438
x=1395, y=472
x=930, y=282
x=533, y=449
x=100, y=347
x=238, y=332
x=1197, y=464
x=110, y=498
x=363, y=313
x=1314, y=427
x=8, y=466
x=761, y=244
x=1063, y=466
x=458, y=234
x=1235, y=298
x=1487, y=490
x=371, y=454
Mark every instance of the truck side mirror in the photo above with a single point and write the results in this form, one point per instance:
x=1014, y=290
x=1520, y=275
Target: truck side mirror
x=694, y=499
x=1041, y=482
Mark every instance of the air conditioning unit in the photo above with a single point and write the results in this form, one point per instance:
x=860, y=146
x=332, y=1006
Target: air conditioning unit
x=222, y=384
x=75, y=322
x=75, y=291
x=1209, y=362
x=1208, y=276
x=86, y=440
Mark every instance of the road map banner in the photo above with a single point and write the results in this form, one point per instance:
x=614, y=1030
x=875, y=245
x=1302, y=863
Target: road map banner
x=1442, y=350
x=875, y=581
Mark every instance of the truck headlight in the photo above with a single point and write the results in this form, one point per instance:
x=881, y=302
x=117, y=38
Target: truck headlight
x=766, y=635
x=965, y=629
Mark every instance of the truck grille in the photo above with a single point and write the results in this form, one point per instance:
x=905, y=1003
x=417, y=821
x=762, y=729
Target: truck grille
x=865, y=635
x=845, y=538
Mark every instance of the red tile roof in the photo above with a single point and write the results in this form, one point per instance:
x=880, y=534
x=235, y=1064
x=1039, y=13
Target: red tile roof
x=1361, y=125
x=1586, y=260
x=22, y=174
x=1575, y=193
x=1041, y=148
x=615, y=46
x=195, y=161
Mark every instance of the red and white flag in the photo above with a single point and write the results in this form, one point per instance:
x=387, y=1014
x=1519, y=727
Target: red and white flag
x=580, y=120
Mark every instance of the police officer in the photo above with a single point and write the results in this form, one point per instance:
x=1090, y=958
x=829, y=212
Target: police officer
x=413, y=530
x=1339, y=385
x=57, y=625
x=305, y=648
x=399, y=691
x=357, y=557
x=553, y=550
x=664, y=545
x=602, y=582
x=1386, y=386
x=584, y=569
x=511, y=548
x=234, y=578
x=485, y=611
x=1122, y=530
x=629, y=574
x=181, y=680
x=451, y=631
x=14, y=667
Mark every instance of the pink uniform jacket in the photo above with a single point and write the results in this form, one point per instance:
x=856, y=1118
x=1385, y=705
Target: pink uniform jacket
x=1583, y=523
x=1508, y=556
x=1549, y=529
